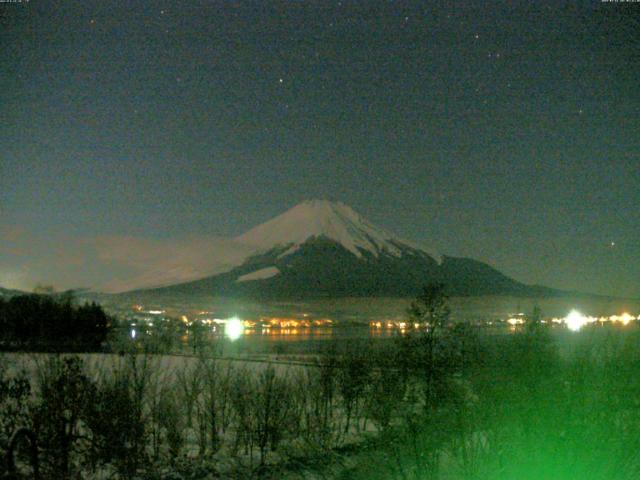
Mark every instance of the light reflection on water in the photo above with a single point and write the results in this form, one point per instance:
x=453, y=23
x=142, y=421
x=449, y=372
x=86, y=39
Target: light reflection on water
x=290, y=341
x=291, y=334
x=303, y=335
x=317, y=334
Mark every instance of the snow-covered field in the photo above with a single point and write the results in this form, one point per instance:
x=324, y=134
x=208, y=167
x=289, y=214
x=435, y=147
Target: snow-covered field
x=165, y=365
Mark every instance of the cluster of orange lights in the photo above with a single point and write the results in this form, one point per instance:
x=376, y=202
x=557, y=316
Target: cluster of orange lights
x=573, y=321
x=266, y=323
x=296, y=323
x=396, y=324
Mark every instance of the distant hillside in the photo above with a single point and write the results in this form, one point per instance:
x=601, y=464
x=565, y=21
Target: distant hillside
x=325, y=249
x=5, y=292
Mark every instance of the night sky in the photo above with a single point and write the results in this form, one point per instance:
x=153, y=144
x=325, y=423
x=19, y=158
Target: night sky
x=508, y=132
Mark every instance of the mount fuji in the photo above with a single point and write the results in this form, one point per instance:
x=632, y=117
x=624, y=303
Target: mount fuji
x=325, y=249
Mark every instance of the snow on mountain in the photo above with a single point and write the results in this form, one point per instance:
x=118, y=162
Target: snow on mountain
x=314, y=218
x=261, y=274
x=158, y=263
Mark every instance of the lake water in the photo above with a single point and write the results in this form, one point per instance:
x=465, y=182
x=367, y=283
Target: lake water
x=351, y=317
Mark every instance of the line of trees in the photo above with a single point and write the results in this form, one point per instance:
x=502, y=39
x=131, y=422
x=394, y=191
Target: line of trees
x=133, y=416
x=529, y=405
x=50, y=322
x=442, y=402
x=137, y=417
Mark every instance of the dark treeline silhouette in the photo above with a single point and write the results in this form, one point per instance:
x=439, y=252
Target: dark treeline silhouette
x=46, y=322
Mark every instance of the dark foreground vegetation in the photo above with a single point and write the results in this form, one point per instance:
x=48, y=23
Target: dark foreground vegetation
x=442, y=403
x=51, y=323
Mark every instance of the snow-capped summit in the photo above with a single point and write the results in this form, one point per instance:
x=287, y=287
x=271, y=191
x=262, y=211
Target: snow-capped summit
x=321, y=218
x=325, y=249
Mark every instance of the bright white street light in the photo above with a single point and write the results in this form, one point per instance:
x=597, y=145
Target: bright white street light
x=234, y=328
x=575, y=320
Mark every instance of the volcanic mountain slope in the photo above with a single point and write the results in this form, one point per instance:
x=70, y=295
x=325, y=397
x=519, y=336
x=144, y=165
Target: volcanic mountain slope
x=8, y=293
x=325, y=249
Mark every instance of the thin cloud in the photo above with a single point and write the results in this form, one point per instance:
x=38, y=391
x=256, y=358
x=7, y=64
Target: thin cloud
x=111, y=263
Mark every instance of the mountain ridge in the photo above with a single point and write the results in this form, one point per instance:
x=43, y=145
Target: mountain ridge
x=326, y=249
